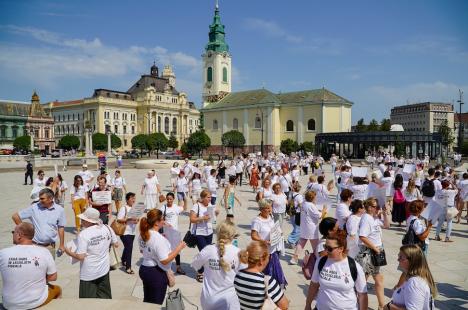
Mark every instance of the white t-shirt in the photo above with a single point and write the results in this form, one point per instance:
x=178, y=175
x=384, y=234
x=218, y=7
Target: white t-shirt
x=414, y=294
x=157, y=248
x=240, y=167
x=285, y=181
x=352, y=228
x=218, y=286
x=310, y=217
x=345, y=175
x=322, y=195
x=94, y=241
x=387, y=184
x=175, y=172
x=172, y=216
x=371, y=228
x=196, y=186
x=341, y=214
x=151, y=185
x=418, y=226
x=463, y=186
x=130, y=227
x=86, y=175
x=266, y=192
x=24, y=269
x=359, y=191
x=263, y=228
x=279, y=202
x=414, y=195
x=204, y=228
x=118, y=182
x=337, y=288
x=212, y=185
x=182, y=185
x=79, y=193
x=298, y=201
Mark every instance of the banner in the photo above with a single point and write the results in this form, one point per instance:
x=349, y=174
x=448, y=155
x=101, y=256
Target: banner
x=102, y=197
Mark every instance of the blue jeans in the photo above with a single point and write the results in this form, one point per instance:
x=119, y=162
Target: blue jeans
x=295, y=233
x=442, y=219
x=202, y=242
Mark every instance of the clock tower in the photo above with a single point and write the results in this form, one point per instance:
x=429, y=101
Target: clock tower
x=216, y=63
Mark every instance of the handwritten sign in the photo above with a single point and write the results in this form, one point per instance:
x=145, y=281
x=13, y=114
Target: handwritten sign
x=275, y=234
x=212, y=214
x=360, y=172
x=136, y=211
x=102, y=197
x=409, y=168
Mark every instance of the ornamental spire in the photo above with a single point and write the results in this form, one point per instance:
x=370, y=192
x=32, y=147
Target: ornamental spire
x=216, y=35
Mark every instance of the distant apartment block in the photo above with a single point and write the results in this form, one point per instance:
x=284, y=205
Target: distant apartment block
x=423, y=117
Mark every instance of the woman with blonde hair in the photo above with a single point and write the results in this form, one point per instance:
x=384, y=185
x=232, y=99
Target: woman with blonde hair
x=411, y=193
x=419, y=289
x=265, y=191
x=221, y=263
x=252, y=285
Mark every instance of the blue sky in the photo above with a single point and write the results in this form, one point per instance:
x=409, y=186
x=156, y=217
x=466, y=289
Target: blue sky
x=377, y=54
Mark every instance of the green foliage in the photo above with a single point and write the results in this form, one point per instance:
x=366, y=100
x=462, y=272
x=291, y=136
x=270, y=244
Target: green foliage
x=201, y=122
x=173, y=143
x=233, y=139
x=307, y=146
x=184, y=149
x=69, y=142
x=446, y=132
x=360, y=126
x=139, y=142
x=385, y=124
x=116, y=142
x=157, y=141
x=100, y=141
x=22, y=143
x=464, y=150
x=400, y=149
x=373, y=126
x=288, y=146
x=198, y=141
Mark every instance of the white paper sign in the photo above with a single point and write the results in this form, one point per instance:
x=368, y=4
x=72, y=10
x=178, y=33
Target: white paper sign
x=136, y=211
x=275, y=234
x=409, y=168
x=212, y=214
x=359, y=172
x=432, y=212
x=72, y=245
x=102, y=197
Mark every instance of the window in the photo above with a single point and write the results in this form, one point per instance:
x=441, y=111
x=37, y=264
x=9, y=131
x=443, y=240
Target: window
x=235, y=124
x=108, y=128
x=3, y=131
x=78, y=116
x=68, y=116
x=290, y=125
x=174, y=125
x=209, y=74
x=15, y=131
x=159, y=123
x=215, y=124
x=258, y=122
x=225, y=75
x=68, y=130
x=311, y=124
x=116, y=128
x=124, y=129
x=133, y=129
x=166, y=125
x=78, y=128
x=125, y=142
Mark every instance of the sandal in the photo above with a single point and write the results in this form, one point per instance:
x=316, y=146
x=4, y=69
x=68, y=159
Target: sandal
x=437, y=238
x=180, y=271
x=130, y=271
x=200, y=277
x=448, y=240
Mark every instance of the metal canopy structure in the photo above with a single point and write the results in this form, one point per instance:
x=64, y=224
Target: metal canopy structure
x=356, y=144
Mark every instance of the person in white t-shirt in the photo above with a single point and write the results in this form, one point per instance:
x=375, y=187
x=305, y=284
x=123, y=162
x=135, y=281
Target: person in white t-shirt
x=359, y=188
x=265, y=191
x=352, y=227
x=298, y=200
x=79, y=199
x=174, y=173
x=463, y=198
x=195, y=187
x=445, y=199
x=118, y=188
x=182, y=188
x=279, y=202
x=221, y=263
x=129, y=235
x=92, y=251
x=150, y=189
x=387, y=182
x=26, y=271
x=87, y=175
x=419, y=289
x=333, y=285
x=342, y=210
x=171, y=213
x=212, y=186
x=239, y=171
x=155, y=268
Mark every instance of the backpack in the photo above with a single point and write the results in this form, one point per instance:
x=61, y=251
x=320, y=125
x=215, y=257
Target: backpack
x=351, y=263
x=411, y=238
x=398, y=197
x=428, y=188
x=308, y=264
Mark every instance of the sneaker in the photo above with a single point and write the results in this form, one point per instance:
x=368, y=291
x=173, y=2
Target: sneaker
x=293, y=261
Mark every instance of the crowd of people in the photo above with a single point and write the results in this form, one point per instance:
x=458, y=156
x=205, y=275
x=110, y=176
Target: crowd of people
x=346, y=248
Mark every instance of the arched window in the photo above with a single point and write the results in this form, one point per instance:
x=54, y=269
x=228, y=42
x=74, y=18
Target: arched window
x=225, y=75
x=209, y=74
x=290, y=125
x=311, y=124
x=215, y=124
x=174, y=125
x=159, y=123
x=235, y=124
x=258, y=122
x=166, y=125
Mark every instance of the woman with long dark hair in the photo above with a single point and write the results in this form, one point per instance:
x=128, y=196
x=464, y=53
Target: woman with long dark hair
x=399, y=201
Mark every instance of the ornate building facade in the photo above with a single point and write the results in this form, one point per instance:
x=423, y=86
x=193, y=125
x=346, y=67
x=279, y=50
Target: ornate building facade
x=13, y=118
x=40, y=125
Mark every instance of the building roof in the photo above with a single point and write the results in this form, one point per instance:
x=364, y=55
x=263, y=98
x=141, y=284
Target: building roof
x=66, y=103
x=464, y=117
x=159, y=83
x=266, y=97
x=14, y=108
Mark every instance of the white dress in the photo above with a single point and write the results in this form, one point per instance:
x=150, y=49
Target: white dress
x=151, y=192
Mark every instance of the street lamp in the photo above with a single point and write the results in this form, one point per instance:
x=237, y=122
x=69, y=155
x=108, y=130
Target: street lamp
x=261, y=124
x=460, y=123
x=109, y=146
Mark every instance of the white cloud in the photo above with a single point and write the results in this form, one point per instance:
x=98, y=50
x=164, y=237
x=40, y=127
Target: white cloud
x=271, y=29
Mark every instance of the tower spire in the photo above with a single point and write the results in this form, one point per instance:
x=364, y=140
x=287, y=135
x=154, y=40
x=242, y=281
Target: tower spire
x=216, y=42
x=217, y=5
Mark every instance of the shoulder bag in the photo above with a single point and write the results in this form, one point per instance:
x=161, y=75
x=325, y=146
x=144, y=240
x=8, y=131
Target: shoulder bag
x=191, y=239
x=379, y=259
x=174, y=300
x=268, y=304
x=119, y=228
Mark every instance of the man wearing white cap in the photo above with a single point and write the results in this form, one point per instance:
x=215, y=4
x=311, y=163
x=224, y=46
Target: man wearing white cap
x=92, y=251
x=86, y=175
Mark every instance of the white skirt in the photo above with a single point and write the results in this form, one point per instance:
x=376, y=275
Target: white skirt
x=150, y=201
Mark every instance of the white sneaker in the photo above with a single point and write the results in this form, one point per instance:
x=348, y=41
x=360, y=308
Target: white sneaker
x=293, y=261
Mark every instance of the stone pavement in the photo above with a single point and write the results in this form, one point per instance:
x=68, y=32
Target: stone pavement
x=448, y=262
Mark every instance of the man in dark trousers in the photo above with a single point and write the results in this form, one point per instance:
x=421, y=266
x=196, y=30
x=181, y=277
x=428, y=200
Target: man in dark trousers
x=28, y=173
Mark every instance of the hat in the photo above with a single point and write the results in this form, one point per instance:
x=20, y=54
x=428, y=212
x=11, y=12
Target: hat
x=85, y=166
x=90, y=215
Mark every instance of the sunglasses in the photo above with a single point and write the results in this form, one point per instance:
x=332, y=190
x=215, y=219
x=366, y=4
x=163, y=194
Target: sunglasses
x=330, y=249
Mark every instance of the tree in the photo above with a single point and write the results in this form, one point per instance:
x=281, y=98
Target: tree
x=307, y=146
x=184, y=150
x=198, y=141
x=360, y=126
x=99, y=141
x=201, y=122
x=464, y=149
x=69, y=142
x=446, y=133
x=157, y=141
x=233, y=139
x=173, y=143
x=385, y=125
x=400, y=149
x=139, y=142
x=288, y=146
x=116, y=142
x=373, y=125
x=22, y=143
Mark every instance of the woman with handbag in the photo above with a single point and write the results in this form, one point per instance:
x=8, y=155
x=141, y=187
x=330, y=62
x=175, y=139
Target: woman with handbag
x=398, y=201
x=254, y=289
x=203, y=224
x=128, y=235
x=371, y=253
x=297, y=201
x=418, y=289
x=118, y=188
x=338, y=282
x=221, y=263
x=157, y=257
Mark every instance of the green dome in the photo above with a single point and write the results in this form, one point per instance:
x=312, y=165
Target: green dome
x=216, y=35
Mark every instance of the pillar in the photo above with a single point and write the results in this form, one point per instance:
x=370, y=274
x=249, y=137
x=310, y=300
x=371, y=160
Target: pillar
x=246, y=129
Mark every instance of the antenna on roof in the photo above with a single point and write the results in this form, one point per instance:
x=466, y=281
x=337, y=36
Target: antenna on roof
x=217, y=5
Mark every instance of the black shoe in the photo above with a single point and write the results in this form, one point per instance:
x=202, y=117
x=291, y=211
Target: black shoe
x=25, y=183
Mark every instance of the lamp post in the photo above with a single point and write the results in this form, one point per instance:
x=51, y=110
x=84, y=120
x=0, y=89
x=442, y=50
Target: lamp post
x=460, y=123
x=261, y=124
x=109, y=147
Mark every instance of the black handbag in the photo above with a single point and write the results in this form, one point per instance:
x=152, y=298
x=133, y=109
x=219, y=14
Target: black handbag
x=189, y=238
x=379, y=259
